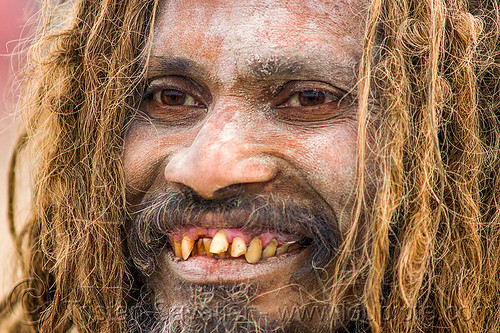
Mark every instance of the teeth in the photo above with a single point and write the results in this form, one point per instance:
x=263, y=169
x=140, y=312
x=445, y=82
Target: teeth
x=219, y=242
x=254, y=251
x=219, y=247
x=270, y=249
x=282, y=249
x=238, y=247
x=177, y=249
x=206, y=246
x=287, y=247
x=199, y=247
x=186, y=247
x=292, y=247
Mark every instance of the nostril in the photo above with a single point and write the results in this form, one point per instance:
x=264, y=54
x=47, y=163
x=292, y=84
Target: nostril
x=208, y=170
x=231, y=191
x=216, y=179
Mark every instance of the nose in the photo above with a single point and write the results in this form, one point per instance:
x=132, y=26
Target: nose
x=223, y=153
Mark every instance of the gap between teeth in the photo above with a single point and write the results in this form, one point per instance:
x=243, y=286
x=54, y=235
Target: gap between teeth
x=219, y=247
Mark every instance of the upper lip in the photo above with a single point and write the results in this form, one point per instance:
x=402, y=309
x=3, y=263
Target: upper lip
x=202, y=231
x=231, y=219
x=178, y=209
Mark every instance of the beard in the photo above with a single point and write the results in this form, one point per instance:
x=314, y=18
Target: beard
x=227, y=307
x=210, y=308
x=221, y=309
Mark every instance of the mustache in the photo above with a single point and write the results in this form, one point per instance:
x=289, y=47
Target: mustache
x=161, y=214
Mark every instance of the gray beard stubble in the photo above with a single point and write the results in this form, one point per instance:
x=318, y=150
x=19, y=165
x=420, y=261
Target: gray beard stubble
x=209, y=308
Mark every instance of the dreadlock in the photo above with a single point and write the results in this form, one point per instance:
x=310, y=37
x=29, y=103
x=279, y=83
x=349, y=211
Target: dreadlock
x=430, y=259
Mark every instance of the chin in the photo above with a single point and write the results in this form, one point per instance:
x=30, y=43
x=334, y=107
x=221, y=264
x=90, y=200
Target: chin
x=182, y=306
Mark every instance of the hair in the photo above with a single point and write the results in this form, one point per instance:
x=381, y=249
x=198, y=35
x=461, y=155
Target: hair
x=429, y=261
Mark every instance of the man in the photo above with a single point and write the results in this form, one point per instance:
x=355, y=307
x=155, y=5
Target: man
x=263, y=166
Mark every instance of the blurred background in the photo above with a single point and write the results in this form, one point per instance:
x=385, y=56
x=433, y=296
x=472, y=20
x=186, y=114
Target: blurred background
x=15, y=28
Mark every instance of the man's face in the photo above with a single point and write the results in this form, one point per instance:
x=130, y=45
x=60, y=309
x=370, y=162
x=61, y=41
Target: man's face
x=246, y=135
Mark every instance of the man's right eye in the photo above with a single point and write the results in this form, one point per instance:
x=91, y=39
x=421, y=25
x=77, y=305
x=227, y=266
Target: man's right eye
x=174, y=106
x=173, y=97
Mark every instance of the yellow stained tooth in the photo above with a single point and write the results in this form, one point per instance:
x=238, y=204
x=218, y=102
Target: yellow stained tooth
x=199, y=246
x=293, y=246
x=206, y=246
x=186, y=247
x=282, y=249
x=222, y=255
x=270, y=249
x=219, y=242
x=177, y=249
x=254, y=251
x=238, y=247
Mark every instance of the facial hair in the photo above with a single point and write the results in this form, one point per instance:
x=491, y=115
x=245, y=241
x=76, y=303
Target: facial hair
x=212, y=308
x=161, y=214
x=226, y=307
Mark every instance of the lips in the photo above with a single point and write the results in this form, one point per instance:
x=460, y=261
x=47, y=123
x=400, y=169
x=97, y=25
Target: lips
x=231, y=243
x=211, y=237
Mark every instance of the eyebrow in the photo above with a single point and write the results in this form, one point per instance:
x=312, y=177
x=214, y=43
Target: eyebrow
x=263, y=68
x=160, y=65
x=316, y=67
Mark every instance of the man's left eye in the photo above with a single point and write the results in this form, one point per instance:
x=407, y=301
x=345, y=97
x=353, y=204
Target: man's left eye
x=310, y=98
x=309, y=105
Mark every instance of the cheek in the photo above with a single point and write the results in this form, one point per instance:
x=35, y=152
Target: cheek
x=137, y=157
x=328, y=163
x=334, y=164
x=142, y=158
x=146, y=153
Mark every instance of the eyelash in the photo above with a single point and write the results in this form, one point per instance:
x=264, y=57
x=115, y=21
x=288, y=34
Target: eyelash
x=173, y=115
x=156, y=89
x=152, y=91
x=324, y=104
x=294, y=99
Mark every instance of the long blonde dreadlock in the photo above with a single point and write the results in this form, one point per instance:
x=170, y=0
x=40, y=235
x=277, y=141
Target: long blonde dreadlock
x=430, y=262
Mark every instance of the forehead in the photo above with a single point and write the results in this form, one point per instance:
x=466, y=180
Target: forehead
x=228, y=35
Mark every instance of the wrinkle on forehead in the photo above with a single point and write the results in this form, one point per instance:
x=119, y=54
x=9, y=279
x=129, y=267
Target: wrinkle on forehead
x=252, y=21
x=232, y=37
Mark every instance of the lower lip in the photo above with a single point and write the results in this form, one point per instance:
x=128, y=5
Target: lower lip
x=203, y=269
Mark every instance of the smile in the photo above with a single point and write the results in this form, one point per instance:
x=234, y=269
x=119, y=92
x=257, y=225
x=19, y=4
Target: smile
x=211, y=255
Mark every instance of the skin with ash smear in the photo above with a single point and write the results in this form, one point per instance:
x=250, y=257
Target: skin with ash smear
x=266, y=110
x=258, y=166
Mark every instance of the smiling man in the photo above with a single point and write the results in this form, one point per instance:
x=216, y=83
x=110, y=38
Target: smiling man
x=240, y=163
x=261, y=166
